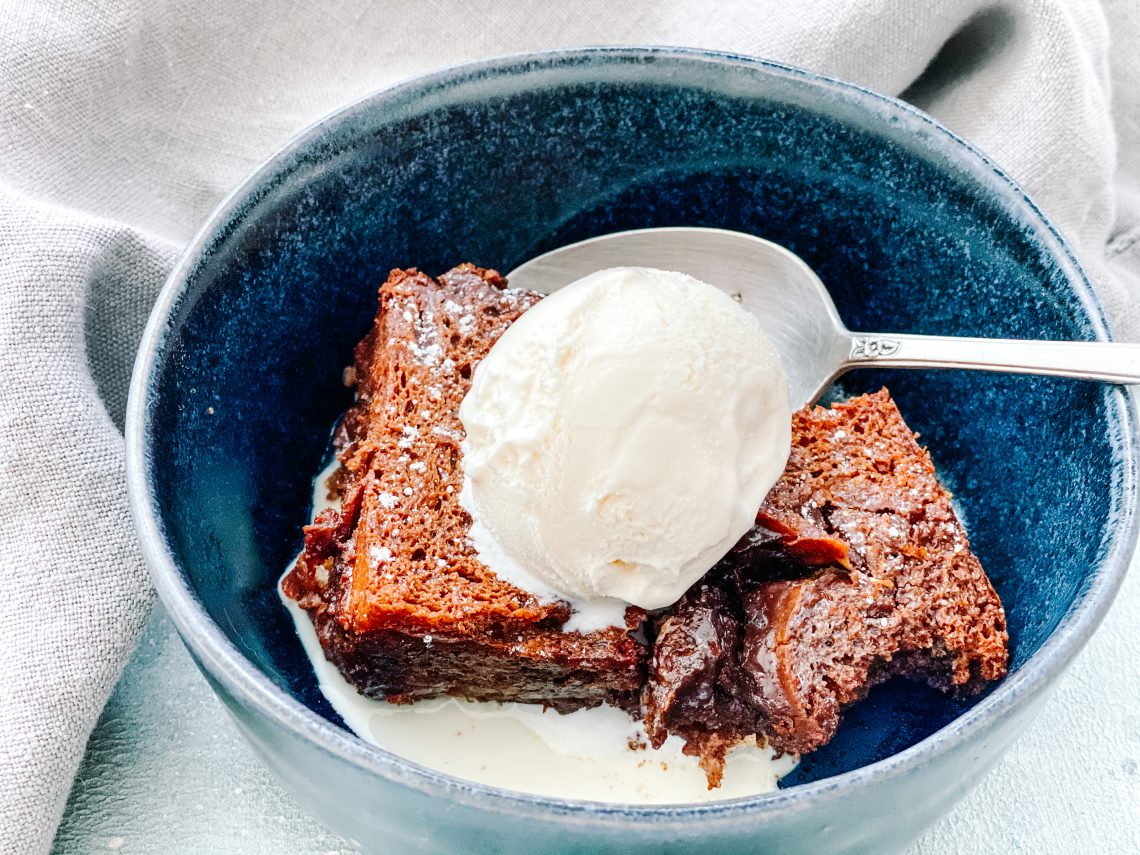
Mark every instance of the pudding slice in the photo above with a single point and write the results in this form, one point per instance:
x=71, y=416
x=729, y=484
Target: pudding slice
x=401, y=603
x=766, y=645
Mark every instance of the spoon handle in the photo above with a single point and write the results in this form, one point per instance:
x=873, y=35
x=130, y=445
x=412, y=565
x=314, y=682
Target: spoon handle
x=1086, y=360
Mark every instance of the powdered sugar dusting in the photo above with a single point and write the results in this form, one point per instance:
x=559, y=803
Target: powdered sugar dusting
x=408, y=436
x=447, y=433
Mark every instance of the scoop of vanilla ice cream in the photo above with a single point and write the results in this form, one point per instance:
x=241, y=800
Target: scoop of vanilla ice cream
x=622, y=434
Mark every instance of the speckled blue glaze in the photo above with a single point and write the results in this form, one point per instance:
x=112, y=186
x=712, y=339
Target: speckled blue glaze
x=238, y=383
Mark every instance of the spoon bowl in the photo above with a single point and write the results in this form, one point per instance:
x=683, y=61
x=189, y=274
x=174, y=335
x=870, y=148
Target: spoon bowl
x=796, y=311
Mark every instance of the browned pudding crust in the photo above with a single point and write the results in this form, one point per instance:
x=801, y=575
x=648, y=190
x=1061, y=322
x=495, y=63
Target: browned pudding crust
x=857, y=570
x=752, y=649
x=401, y=604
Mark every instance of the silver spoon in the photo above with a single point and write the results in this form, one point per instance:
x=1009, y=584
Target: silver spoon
x=797, y=313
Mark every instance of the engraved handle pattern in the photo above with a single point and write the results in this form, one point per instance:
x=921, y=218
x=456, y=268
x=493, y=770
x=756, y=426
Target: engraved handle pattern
x=1087, y=360
x=871, y=347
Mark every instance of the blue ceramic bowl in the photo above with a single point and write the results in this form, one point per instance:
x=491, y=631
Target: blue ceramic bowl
x=238, y=382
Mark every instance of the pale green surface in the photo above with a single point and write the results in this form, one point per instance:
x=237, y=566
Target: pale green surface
x=166, y=772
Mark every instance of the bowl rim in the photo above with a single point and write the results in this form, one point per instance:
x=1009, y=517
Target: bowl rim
x=225, y=663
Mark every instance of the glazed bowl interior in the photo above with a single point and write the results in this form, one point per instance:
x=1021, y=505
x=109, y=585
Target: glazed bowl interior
x=910, y=229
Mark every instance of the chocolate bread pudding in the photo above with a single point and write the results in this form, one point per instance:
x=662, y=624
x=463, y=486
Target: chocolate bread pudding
x=401, y=604
x=761, y=647
x=857, y=570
